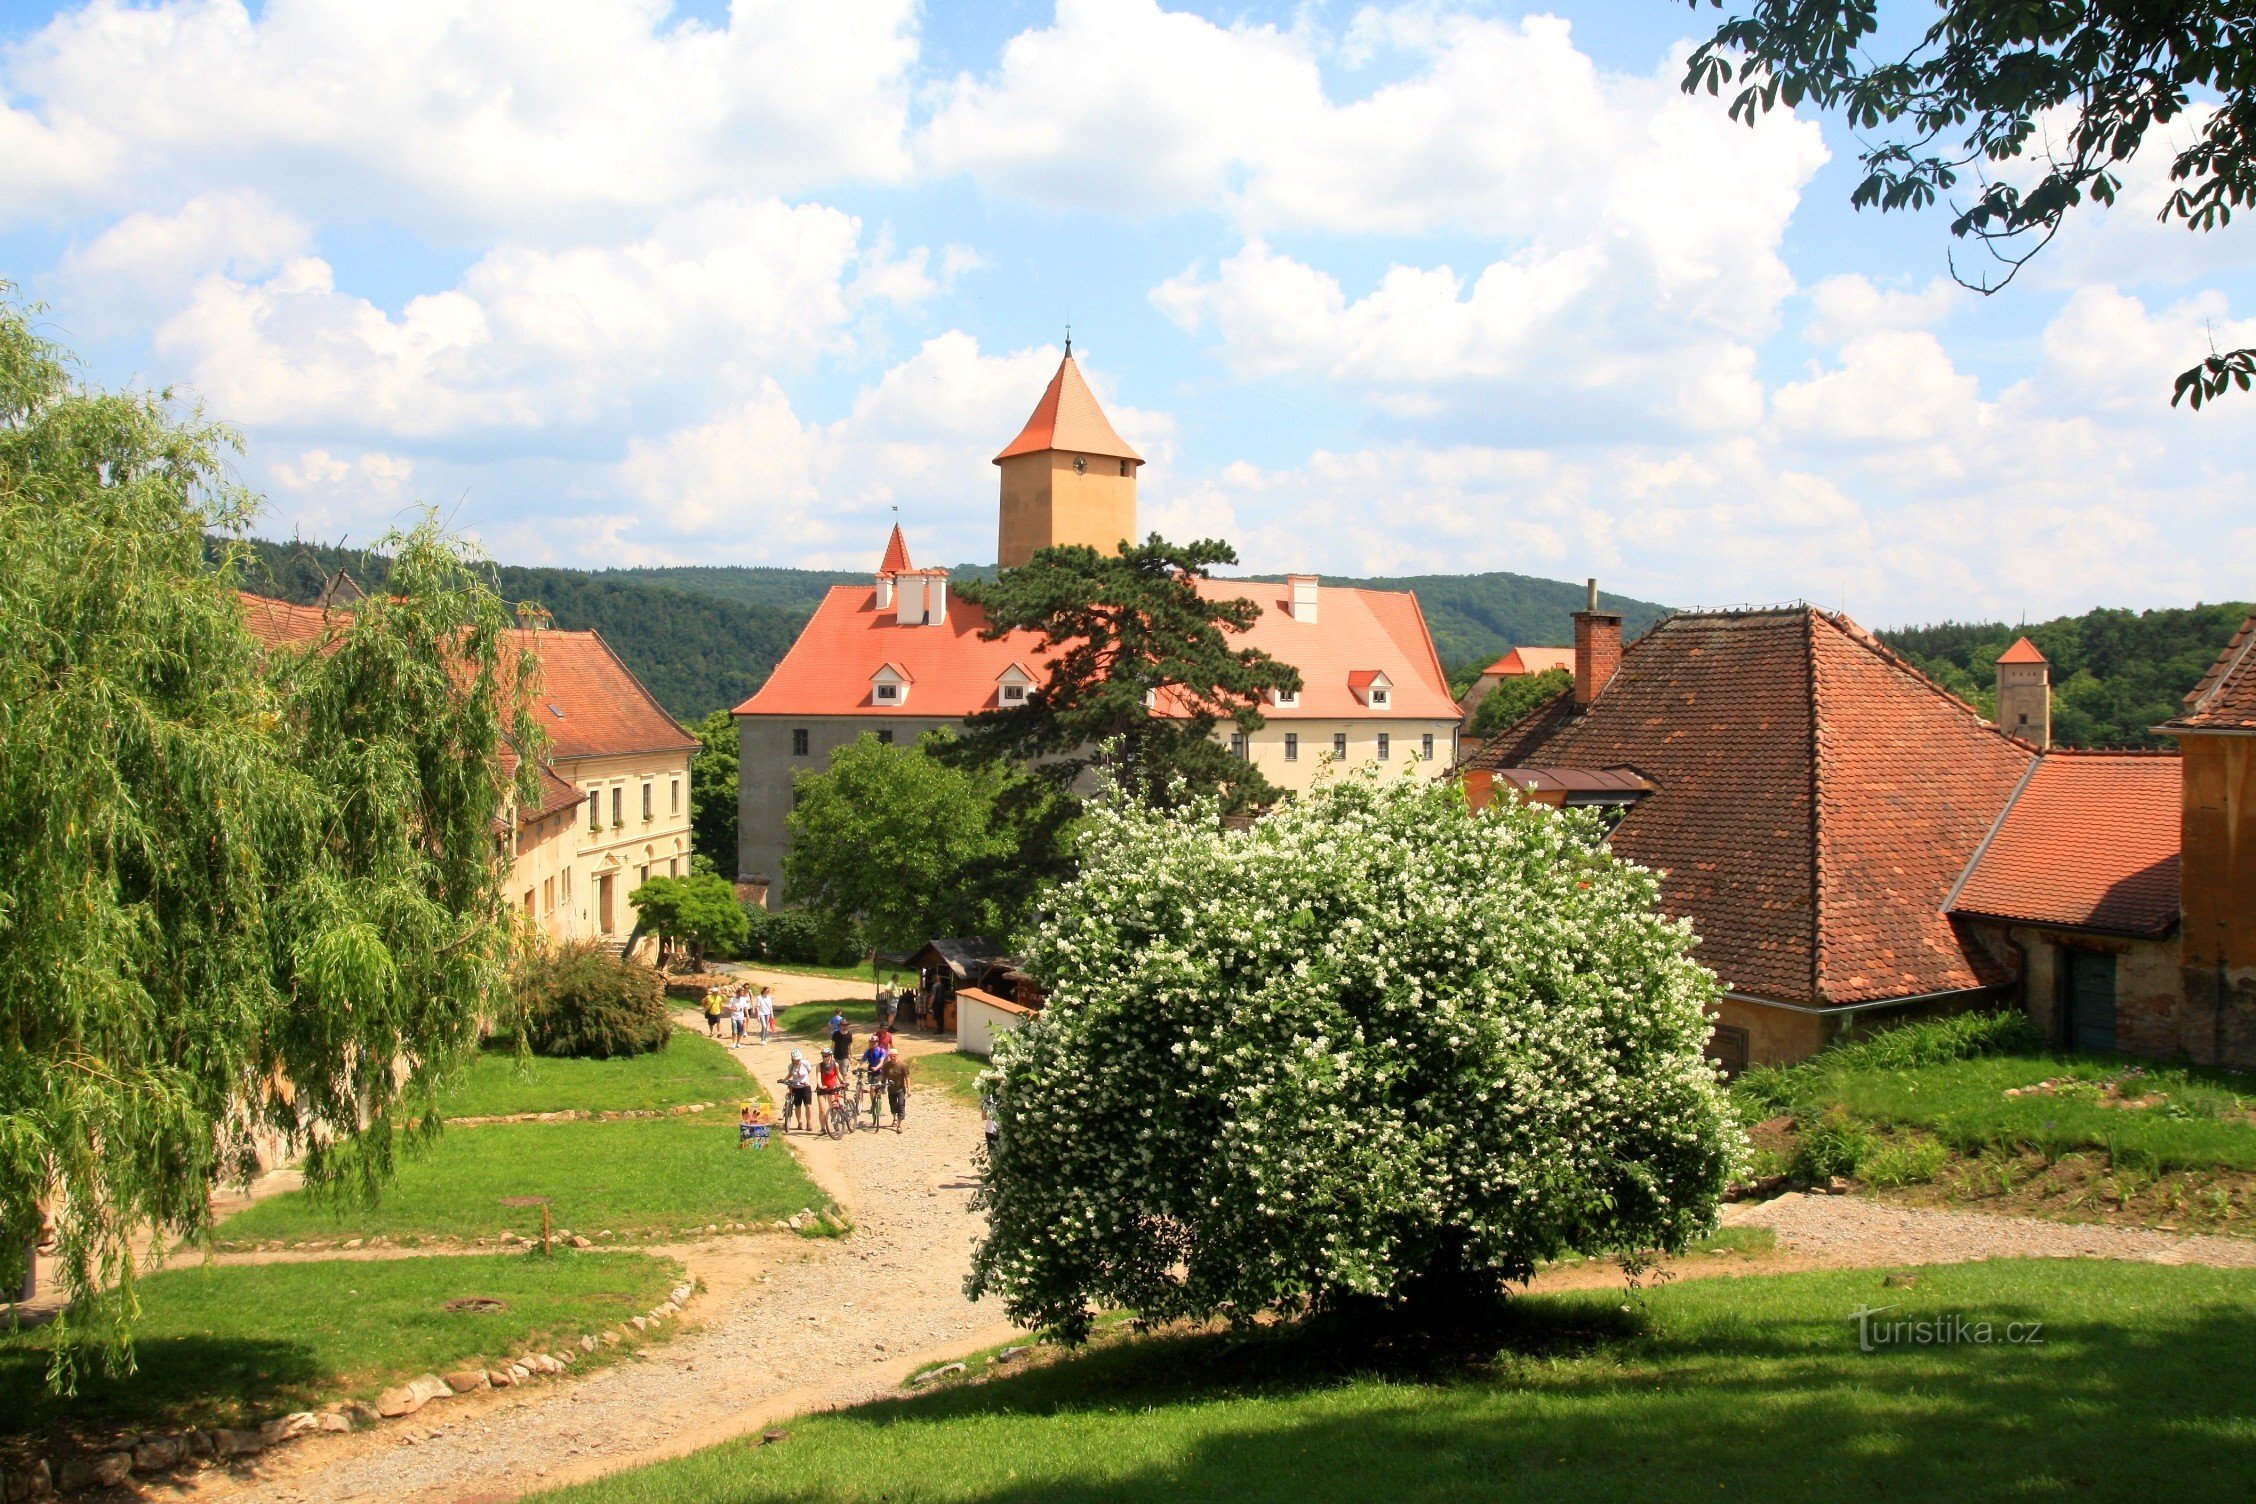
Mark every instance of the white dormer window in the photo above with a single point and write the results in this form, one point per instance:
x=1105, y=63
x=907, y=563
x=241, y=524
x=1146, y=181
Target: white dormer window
x=1378, y=699
x=1013, y=685
x=1372, y=687
x=1014, y=694
x=1285, y=699
x=889, y=687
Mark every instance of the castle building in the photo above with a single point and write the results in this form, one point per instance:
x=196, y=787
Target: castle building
x=898, y=657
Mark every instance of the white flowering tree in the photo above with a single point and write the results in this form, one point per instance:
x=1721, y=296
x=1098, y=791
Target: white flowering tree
x=1373, y=1046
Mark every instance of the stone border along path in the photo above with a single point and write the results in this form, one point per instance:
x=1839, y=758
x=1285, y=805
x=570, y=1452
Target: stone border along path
x=784, y=1325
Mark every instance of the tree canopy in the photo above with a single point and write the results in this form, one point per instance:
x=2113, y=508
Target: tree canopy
x=713, y=793
x=1123, y=634
x=2042, y=101
x=1373, y=1046
x=1514, y=698
x=245, y=895
x=899, y=846
x=701, y=912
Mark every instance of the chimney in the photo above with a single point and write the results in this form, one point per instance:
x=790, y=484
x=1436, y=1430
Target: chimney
x=885, y=592
x=1598, y=649
x=908, y=608
x=935, y=597
x=2024, y=694
x=1303, y=588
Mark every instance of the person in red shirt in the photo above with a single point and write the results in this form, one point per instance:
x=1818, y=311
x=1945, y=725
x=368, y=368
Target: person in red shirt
x=826, y=1092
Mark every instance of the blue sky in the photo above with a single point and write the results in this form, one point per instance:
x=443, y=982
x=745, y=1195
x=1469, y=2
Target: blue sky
x=1378, y=289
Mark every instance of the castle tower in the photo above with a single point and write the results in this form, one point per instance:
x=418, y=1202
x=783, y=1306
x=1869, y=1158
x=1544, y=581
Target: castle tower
x=2024, y=694
x=1067, y=477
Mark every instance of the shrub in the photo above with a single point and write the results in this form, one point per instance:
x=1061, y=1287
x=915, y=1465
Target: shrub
x=1936, y=1041
x=794, y=937
x=1834, y=1145
x=579, y=999
x=701, y=912
x=1904, y=1161
x=1373, y=1046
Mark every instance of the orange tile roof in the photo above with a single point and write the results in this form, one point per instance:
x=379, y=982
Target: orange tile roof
x=1519, y=661
x=954, y=670
x=2225, y=699
x=1068, y=418
x=2022, y=651
x=1818, y=799
x=590, y=704
x=896, y=560
x=2089, y=841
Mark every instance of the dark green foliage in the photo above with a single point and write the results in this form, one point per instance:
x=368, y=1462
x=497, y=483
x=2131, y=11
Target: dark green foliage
x=1768, y=1090
x=581, y=1000
x=2070, y=88
x=713, y=794
x=1833, y=1146
x=2116, y=674
x=1119, y=629
x=795, y=937
x=700, y=912
x=1504, y=705
x=695, y=652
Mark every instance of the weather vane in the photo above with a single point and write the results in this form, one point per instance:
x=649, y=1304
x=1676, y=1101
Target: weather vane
x=1069, y=339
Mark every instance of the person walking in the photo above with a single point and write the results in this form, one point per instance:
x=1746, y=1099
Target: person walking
x=763, y=1009
x=841, y=1040
x=738, y=1009
x=713, y=1014
x=897, y=1087
x=799, y=1100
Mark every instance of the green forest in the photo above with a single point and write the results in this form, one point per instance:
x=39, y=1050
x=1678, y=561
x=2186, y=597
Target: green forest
x=2116, y=674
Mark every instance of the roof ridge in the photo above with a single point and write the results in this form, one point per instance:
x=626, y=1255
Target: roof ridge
x=1857, y=633
x=1966, y=873
x=2228, y=663
x=640, y=688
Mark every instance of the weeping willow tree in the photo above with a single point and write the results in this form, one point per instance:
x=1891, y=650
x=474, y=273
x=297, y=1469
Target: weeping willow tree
x=246, y=891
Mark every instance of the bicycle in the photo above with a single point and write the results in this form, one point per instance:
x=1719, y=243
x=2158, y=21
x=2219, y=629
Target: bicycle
x=837, y=1116
x=870, y=1091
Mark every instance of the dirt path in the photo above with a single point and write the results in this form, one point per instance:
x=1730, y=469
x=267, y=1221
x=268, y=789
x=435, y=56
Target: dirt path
x=1852, y=1232
x=784, y=1326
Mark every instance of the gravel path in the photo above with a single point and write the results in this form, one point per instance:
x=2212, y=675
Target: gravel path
x=1849, y=1231
x=784, y=1325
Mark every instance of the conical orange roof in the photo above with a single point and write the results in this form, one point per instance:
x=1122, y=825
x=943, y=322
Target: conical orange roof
x=1068, y=418
x=896, y=560
x=2022, y=651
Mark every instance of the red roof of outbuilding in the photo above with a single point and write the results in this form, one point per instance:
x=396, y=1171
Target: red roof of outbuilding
x=279, y=623
x=2089, y=841
x=1817, y=799
x=955, y=671
x=2225, y=699
x=1519, y=661
x=1068, y=418
x=2022, y=651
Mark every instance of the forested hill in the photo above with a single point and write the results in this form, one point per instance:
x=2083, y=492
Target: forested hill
x=2115, y=674
x=695, y=652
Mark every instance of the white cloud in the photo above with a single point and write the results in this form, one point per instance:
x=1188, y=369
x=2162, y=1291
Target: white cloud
x=717, y=297
x=775, y=487
x=534, y=118
x=1844, y=307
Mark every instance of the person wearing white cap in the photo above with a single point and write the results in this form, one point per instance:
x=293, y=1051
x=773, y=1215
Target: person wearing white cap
x=799, y=1095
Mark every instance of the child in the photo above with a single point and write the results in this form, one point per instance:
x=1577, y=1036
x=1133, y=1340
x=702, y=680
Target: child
x=752, y=1126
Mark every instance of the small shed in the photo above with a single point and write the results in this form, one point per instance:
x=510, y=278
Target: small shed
x=944, y=968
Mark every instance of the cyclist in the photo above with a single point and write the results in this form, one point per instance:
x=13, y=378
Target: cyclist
x=828, y=1091
x=799, y=1099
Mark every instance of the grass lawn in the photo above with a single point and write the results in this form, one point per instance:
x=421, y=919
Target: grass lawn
x=813, y=1019
x=952, y=1072
x=894, y=974
x=220, y=1346
x=691, y=1069
x=638, y=1177
x=1744, y=1389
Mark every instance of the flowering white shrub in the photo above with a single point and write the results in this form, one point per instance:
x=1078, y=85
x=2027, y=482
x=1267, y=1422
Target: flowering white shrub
x=1371, y=1046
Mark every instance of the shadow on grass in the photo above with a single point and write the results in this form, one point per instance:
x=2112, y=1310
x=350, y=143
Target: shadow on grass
x=179, y=1381
x=1573, y=1396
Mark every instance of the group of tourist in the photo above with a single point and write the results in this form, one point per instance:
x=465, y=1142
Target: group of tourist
x=812, y=1087
x=739, y=1007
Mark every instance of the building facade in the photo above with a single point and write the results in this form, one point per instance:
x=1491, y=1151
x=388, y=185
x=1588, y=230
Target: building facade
x=2217, y=738
x=900, y=656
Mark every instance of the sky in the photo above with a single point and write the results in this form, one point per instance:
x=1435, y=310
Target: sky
x=1376, y=289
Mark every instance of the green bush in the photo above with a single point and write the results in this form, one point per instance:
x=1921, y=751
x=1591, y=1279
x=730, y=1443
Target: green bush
x=1935, y=1041
x=581, y=1000
x=1909, y=1161
x=1832, y=1146
x=792, y=937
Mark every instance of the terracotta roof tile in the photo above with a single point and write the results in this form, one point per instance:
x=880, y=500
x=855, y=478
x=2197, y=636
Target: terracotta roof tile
x=955, y=671
x=2090, y=841
x=1817, y=799
x=1519, y=661
x=1068, y=418
x=896, y=560
x=590, y=704
x=2022, y=651
x=2225, y=699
